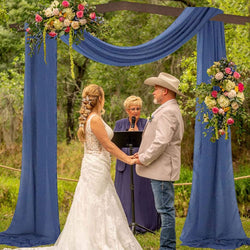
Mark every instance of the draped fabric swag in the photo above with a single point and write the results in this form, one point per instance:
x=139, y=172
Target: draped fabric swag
x=212, y=219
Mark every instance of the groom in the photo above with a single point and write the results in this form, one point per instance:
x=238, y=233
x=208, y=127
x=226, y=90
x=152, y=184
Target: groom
x=159, y=156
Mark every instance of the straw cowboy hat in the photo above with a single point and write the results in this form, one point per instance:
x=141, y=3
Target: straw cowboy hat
x=165, y=80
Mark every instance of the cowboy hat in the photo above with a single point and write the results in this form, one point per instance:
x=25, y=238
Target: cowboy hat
x=165, y=80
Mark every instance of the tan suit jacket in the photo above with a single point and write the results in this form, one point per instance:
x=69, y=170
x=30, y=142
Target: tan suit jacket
x=160, y=149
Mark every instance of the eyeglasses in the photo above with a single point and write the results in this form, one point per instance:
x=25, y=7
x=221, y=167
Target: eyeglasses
x=134, y=109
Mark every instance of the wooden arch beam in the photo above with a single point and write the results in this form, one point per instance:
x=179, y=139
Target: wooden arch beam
x=164, y=10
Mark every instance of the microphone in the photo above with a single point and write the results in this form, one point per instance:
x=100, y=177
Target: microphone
x=133, y=121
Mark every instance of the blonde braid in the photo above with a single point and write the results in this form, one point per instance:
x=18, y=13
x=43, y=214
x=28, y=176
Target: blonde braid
x=90, y=99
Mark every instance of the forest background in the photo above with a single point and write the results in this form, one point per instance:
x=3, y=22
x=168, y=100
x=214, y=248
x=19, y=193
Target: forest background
x=122, y=28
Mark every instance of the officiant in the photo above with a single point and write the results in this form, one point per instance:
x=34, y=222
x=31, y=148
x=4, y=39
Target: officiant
x=145, y=212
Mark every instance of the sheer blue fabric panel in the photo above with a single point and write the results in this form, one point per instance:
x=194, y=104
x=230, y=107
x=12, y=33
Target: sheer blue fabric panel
x=182, y=29
x=213, y=219
x=36, y=220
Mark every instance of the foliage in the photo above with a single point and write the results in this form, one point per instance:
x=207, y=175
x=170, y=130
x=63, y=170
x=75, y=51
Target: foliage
x=223, y=98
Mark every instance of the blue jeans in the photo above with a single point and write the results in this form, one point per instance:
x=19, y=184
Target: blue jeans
x=164, y=203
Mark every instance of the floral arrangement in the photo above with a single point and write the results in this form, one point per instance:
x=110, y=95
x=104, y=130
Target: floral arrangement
x=60, y=19
x=223, y=98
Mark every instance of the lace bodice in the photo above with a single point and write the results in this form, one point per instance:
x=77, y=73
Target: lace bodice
x=92, y=145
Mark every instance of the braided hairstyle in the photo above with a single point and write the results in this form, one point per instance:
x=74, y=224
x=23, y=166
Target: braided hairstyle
x=90, y=99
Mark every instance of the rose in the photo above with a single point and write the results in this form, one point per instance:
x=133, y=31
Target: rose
x=83, y=21
x=230, y=121
x=66, y=22
x=79, y=14
x=81, y=7
x=223, y=101
x=75, y=25
x=61, y=19
x=214, y=93
x=232, y=94
x=228, y=71
x=65, y=4
x=215, y=110
x=28, y=30
x=229, y=85
x=67, y=30
x=219, y=76
x=241, y=97
x=221, y=112
x=240, y=87
x=221, y=132
x=210, y=102
x=53, y=33
x=38, y=18
x=235, y=105
x=48, y=12
x=236, y=75
x=92, y=15
x=57, y=24
x=56, y=12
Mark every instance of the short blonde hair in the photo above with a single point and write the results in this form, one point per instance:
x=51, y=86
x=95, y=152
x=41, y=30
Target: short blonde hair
x=132, y=100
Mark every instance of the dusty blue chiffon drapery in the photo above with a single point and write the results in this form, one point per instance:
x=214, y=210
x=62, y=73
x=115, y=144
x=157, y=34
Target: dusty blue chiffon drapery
x=37, y=201
x=36, y=220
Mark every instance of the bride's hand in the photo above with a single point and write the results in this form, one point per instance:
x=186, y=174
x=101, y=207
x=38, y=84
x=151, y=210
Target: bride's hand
x=131, y=160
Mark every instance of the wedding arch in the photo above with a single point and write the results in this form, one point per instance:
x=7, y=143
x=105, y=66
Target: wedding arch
x=213, y=219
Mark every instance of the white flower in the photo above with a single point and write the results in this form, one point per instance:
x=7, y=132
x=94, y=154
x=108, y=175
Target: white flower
x=241, y=97
x=66, y=22
x=55, y=4
x=69, y=13
x=235, y=105
x=56, y=12
x=75, y=25
x=210, y=102
x=57, y=24
x=48, y=12
x=219, y=76
x=223, y=101
x=229, y=85
x=231, y=94
x=83, y=21
x=221, y=112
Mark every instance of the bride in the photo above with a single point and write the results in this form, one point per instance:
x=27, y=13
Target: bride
x=96, y=220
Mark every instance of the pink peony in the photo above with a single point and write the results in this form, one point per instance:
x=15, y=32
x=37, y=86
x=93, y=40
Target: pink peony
x=228, y=70
x=240, y=87
x=221, y=132
x=214, y=93
x=53, y=33
x=230, y=121
x=81, y=7
x=38, y=18
x=236, y=75
x=215, y=110
x=65, y=4
x=67, y=30
x=61, y=19
x=92, y=15
x=79, y=14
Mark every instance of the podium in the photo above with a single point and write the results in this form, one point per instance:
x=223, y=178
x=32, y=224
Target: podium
x=130, y=139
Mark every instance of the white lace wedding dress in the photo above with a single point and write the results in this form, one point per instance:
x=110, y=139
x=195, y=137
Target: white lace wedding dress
x=96, y=220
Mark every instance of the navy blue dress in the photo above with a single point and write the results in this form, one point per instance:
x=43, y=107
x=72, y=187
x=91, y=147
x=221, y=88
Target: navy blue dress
x=145, y=212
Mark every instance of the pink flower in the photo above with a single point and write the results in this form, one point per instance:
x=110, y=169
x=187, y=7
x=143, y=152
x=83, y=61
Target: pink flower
x=92, y=15
x=215, y=110
x=240, y=87
x=236, y=75
x=28, y=30
x=230, y=121
x=79, y=14
x=65, y=4
x=67, y=30
x=38, y=18
x=228, y=70
x=214, y=93
x=61, y=19
x=225, y=93
x=52, y=34
x=221, y=112
x=81, y=7
x=221, y=132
